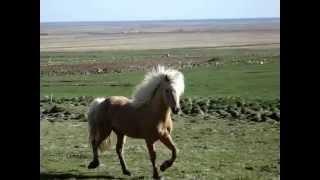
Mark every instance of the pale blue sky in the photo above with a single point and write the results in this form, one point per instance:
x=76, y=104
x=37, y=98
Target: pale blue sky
x=120, y=10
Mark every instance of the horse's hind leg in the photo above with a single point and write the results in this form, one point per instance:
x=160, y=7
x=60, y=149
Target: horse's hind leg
x=95, y=142
x=167, y=141
x=95, y=162
x=119, y=149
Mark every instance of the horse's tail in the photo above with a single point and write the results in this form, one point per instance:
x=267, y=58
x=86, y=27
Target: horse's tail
x=93, y=129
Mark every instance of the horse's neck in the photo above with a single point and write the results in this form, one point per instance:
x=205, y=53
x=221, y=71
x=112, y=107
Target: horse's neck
x=158, y=105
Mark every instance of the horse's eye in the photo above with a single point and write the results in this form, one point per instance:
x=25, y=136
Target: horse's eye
x=167, y=90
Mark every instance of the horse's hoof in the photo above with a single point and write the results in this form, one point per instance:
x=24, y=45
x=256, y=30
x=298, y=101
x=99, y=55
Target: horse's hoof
x=165, y=165
x=162, y=167
x=93, y=164
x=126, y=172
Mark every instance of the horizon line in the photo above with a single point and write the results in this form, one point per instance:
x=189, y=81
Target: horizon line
x=196, y=19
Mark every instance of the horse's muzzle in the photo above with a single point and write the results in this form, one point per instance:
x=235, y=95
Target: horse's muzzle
x=175, y=110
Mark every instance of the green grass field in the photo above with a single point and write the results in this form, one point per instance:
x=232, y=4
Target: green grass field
x=210, y=147
x=249, y=81
x=245, y=80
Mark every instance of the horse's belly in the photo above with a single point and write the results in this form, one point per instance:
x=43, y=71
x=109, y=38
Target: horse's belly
x=127, y=128
x=133, y=135
x=130, y=133
x=134, y=130
x=131, y=123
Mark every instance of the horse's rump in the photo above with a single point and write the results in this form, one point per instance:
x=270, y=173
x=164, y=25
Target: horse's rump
x=95, y=129
x=93, y=112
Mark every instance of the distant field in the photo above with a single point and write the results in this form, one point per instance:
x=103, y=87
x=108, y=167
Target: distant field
x=134, y=56
x=239, y=72
x=93, y=36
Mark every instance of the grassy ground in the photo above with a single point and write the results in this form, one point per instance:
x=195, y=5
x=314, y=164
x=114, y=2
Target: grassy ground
x=208, y=149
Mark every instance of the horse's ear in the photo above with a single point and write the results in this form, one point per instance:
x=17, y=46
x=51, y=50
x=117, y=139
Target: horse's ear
x=167, y=78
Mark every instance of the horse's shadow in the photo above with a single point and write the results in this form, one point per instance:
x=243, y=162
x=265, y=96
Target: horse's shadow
x=48, y=176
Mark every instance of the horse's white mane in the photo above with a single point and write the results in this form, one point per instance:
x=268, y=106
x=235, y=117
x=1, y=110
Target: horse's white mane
x=144, y=91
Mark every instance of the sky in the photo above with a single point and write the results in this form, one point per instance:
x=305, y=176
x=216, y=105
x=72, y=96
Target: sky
x=127, y=10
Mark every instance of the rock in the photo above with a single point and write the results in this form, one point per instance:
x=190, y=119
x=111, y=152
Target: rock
x=234, y=114
x=66, y=113
x=242, y=116
x=249, y=167
x=204, y=109
x=186, y=110
x=269, y=120
x=275, y=116
x=53, y=109
x=207, y=117
x=240, y=103
x=80, y=116
x=256, y=117
x=265, y=115
x=202, y=103
x=73, y=116
x=212, y=101
x=245, y=110
x=196, y=110
x=214, y=114
x=81, y=98
x=223, y=113
x=63, y=99
x=255, y=106
x=58, y=115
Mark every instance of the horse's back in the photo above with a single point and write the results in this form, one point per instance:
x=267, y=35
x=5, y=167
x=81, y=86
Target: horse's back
x=118, y=100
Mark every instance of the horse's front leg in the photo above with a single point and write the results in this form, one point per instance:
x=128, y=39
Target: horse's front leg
x=119, y=149
x=152, y=153
x=167, y=141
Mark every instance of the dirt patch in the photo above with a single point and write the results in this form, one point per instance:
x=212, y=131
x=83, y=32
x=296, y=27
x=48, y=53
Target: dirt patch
x=125, y=66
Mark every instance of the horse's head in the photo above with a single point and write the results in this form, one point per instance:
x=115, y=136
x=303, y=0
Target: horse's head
x=171, y=94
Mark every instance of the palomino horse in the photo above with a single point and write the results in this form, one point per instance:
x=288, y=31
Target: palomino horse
x=146, y=116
